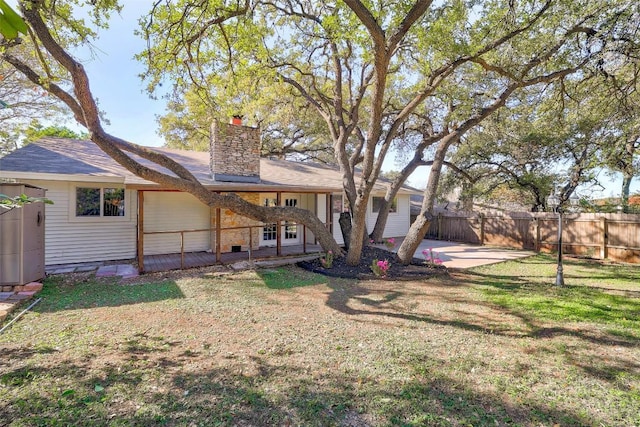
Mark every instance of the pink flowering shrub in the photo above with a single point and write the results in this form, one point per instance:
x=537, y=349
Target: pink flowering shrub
x=327, y=261
x=431, y=257
x=380, y=268
x=390, y=243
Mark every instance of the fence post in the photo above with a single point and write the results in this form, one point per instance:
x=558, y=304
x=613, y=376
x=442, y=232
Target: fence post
x=604, y=238
x=537, y=242
x=482, y=218
x=439, y=225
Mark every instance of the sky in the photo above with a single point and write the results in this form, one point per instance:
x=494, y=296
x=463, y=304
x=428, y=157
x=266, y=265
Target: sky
x=115, y=82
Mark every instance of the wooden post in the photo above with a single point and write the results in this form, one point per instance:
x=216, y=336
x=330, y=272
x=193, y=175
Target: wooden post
x=439, y=222
x=482, y=220
x=212, y=229
x=278, y=227
x=536, y=244
x=604, y=238
x=182, y=250
x=304, y=239
x=218, y=236
x=329, y=213
x=141, y=231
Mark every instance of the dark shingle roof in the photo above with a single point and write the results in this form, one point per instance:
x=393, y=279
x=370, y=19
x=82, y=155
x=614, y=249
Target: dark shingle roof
x=74, y=159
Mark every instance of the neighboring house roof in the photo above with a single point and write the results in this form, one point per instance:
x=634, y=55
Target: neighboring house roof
x=78, y=160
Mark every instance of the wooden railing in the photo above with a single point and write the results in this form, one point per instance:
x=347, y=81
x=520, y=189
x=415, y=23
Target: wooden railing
x=217, y=239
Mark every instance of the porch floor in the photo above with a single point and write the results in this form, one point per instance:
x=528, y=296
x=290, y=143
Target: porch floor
x=155, y=263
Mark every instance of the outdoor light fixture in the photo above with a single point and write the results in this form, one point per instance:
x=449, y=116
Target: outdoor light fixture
x=555, y=203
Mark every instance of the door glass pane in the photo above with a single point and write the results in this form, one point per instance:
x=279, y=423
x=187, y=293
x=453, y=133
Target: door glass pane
x=269, y=232
x=290, y=230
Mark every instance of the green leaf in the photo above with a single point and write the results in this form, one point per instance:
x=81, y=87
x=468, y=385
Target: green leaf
x=98, y=388
x=6, y=29
x=13, y=18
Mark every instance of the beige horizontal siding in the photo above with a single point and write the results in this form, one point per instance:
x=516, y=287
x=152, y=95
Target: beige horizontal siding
x=74, y=240
x=173, y=211
x=397, y=222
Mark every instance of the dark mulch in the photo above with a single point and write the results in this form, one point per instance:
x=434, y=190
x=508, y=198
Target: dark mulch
x=416, y=270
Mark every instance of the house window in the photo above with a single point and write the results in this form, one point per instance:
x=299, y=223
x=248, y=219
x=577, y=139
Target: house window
x=97, y=202
x=270, y=202
x=336, y=203
x=291, y=202
x=376, y=202
x=290, y=228
x=269, y=232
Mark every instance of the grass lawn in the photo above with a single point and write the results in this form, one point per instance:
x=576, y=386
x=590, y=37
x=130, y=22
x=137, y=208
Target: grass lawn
x=496, y=345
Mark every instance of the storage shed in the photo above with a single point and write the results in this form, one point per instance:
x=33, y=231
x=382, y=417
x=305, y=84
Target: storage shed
x=21, y=238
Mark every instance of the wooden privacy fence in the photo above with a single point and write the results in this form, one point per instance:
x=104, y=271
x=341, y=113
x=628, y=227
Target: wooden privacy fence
x=605, y=236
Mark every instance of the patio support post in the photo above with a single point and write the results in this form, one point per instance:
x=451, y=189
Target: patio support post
x=329, y=213
x=141, y=231
x=218, y=236
x=304, y=238
x=182, y=250
x=278, y=227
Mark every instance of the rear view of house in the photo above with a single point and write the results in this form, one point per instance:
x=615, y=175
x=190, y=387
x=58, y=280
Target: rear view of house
x=103, y=212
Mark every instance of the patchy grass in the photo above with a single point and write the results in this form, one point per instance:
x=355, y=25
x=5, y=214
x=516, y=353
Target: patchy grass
x=608, y=295
x=494, y=346
x=287, y=278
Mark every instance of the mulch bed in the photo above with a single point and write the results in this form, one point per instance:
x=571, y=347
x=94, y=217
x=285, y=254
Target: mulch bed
x=418, y=269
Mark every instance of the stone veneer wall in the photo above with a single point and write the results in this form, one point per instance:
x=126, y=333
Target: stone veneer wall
x=240, y=237
x=234, y=153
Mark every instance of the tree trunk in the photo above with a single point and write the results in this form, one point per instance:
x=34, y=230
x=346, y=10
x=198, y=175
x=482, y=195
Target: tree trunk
x=358, y=231
x=626, y=186
x=420, y=226
x=345, y=227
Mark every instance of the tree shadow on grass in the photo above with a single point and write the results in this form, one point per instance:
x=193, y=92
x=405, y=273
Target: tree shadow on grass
x=342, y=299
x=477, y=316
x=273, y=394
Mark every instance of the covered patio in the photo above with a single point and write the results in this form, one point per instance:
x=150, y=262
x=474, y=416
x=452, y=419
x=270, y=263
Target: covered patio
x=165, y=262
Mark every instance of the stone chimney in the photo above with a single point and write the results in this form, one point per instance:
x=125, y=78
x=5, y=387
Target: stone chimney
x=234, y=152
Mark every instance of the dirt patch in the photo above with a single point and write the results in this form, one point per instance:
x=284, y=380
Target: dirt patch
x=418, y=269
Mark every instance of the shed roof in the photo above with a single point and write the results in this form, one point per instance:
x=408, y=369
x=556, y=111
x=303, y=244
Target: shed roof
x=80, y=160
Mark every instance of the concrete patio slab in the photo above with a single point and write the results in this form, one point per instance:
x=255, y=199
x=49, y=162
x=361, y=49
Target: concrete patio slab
x=462, y=255
x=126, y=271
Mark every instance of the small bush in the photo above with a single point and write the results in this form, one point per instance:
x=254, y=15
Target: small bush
x=380, y=268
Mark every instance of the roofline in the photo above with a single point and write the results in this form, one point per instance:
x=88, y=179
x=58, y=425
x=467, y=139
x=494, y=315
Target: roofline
x=226, y=187
x=242, y=188
x=61, y=177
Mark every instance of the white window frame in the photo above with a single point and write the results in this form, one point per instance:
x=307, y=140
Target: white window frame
x=394, y=203
x=73, y=190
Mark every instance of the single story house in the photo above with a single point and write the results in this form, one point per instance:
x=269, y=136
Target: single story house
x=103, y=212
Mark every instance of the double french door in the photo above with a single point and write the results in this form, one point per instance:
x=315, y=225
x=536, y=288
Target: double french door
x=290, y=231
